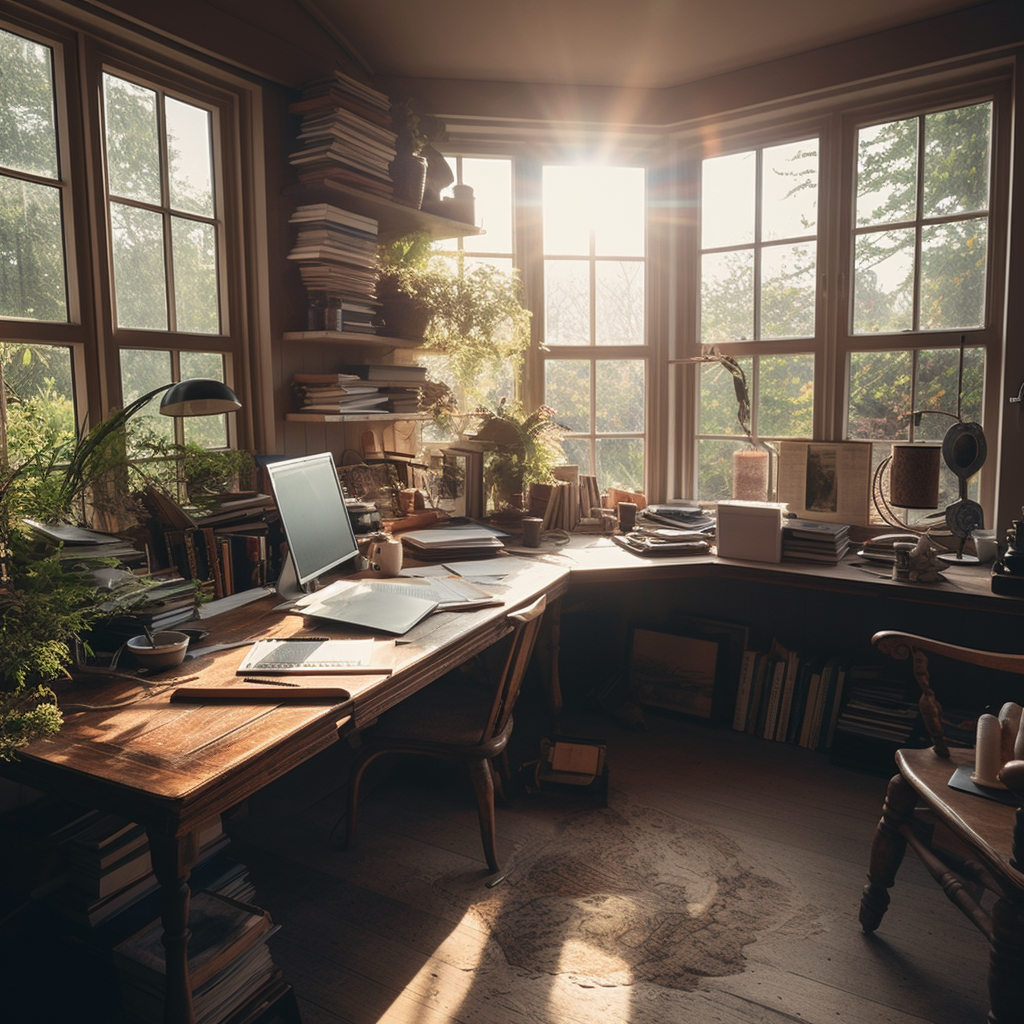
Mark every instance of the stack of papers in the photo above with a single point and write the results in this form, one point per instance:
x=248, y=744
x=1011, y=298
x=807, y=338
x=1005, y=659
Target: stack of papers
x=448, y=542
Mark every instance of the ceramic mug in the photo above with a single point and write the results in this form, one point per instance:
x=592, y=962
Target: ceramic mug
x=385, y=556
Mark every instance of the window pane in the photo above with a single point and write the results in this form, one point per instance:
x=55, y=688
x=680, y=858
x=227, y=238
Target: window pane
x=880, y=385
x=953, y=269
x=619, y=303
x=577, y=453
x=617, y=210
x=566, y=302
x=619, y=402
x=788, y=282
x=789, y=190
x=205, y=431
x=32, y=275
x=28, y=137
x=714, y=468
x=139, y=278
x=566, y=213
x=937, y=372
x=727, y=200
x=40, y=398
x=491, y=181
x=189, y=159
x=887, y=172
x=785, y=396
x=567, y=391
x=956, y=160
x=726, y=297
x=133, y=142
x=718, y=404
x=144, y=370
x=620, y=462
x=883, y=287
x=195, y=276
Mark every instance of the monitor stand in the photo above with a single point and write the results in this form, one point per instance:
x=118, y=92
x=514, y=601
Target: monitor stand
x=288, y=586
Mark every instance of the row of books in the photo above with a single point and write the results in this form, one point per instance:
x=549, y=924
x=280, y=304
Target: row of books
x=562, y=504
x=346, y=134
x=785, y=696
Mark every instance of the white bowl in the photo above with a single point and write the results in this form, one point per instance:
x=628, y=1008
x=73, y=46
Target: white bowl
x=168, y=649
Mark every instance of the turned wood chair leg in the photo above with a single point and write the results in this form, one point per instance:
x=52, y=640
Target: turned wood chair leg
x=887, y=849
x=1006, y=963
x=482, y=774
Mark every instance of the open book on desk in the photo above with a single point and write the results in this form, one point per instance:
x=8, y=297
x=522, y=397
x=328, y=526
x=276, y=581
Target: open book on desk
x=391, y=606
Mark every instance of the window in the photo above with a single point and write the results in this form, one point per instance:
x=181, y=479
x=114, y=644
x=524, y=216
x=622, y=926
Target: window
x=849, y=352
x=758, y=274
x=594, y=280
x=161, y=272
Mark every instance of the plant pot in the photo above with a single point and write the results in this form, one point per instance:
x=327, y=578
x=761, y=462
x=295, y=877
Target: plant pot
x=409, y=175
x=404, y=315
x=750, y=475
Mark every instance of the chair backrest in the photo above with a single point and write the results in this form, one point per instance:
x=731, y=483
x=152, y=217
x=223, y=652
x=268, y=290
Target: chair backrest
x=525, y=626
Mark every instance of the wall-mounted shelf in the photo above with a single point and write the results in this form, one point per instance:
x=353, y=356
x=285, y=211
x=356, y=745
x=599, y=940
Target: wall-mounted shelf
x=355, y=417
x=394, y=220
x=352, y=338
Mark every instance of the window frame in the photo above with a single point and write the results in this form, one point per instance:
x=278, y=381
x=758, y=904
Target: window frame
x=82, y=52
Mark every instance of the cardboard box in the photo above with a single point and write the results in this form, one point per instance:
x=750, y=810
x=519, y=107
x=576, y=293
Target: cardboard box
x=750, y=530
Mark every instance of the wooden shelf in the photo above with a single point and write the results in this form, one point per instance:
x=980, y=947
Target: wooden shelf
x=355, y=417
x=393, y=219
x=352, y=338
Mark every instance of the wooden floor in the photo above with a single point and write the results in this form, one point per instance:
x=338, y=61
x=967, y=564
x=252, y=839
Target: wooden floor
x=362, y=940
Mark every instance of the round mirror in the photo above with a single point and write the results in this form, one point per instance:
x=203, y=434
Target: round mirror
x=964, y=449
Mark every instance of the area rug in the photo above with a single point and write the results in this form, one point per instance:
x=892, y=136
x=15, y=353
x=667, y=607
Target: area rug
x=621, y=895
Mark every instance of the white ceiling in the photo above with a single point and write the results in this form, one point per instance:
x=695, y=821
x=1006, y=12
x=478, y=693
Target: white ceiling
x=638, y=43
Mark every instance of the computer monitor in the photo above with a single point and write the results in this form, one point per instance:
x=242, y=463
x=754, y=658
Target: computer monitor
x=315, y=520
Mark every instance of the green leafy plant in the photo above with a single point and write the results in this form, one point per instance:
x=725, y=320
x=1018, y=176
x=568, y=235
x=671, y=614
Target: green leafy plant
x=524, y=448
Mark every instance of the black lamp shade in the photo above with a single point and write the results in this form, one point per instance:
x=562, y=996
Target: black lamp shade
x=200, y=396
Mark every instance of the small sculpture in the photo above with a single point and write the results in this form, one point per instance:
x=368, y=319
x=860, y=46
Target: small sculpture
x=925, y=564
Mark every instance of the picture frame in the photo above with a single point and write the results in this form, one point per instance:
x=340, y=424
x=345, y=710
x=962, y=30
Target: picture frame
x=829, y=481
x=688, y=665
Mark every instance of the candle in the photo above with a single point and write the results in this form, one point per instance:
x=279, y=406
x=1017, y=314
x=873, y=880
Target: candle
x=750, y=475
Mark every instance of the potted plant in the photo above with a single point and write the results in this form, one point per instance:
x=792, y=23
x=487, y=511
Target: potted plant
x=752, y=465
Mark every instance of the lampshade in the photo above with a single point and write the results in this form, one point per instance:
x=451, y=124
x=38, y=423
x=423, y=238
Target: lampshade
x=914, y=476
x=200, y=396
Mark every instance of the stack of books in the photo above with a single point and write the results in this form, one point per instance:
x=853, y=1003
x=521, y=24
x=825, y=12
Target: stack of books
x=337, y=256
x=399, y=383
x=230, y=965
x=807, y=540
x=346, y=135
x=337, y=393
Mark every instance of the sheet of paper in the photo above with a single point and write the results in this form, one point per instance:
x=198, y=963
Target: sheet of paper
x=308, y=655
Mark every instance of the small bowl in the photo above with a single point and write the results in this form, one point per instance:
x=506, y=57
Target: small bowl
x=168, y=649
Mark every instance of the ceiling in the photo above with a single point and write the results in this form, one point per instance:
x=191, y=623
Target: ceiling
x=647, y=44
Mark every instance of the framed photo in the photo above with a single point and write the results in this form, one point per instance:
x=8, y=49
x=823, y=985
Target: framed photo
x=828, y=481
x=688, y=665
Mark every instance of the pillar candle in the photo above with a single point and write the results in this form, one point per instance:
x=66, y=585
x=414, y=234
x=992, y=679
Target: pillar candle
x=988, y=752
x=750, y=475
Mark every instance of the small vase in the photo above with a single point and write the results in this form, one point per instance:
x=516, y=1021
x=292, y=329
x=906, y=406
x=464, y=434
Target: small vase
x=750, y=475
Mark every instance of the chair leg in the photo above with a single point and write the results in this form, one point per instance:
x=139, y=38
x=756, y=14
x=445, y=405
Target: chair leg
x=355, y=781
x=482, y=774
x=887, y=849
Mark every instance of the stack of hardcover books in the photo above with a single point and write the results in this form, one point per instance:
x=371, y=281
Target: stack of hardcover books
x=346, y=135
x=813, y=541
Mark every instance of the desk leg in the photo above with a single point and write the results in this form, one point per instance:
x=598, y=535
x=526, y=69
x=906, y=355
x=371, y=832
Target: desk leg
x=547, y=650
x=887, y=850
x=173, y=857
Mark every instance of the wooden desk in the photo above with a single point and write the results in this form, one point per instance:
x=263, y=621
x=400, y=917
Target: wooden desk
x=173, y=767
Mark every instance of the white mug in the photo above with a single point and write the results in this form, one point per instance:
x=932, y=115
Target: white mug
x=385, y=555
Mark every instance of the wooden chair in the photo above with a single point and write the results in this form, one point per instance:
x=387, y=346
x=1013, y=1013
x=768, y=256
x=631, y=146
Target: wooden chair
x=919, y=797
x=457, y=719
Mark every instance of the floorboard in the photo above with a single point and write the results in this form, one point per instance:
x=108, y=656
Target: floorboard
x=366, y=940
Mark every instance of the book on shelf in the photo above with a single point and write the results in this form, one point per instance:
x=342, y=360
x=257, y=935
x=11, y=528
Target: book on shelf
x=326, y=213
x=387, y=372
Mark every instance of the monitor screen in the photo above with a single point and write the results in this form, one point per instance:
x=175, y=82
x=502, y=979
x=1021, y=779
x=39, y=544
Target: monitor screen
x=315, y=520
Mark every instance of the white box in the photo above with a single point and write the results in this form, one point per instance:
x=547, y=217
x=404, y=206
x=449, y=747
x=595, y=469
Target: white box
x=751, y=530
